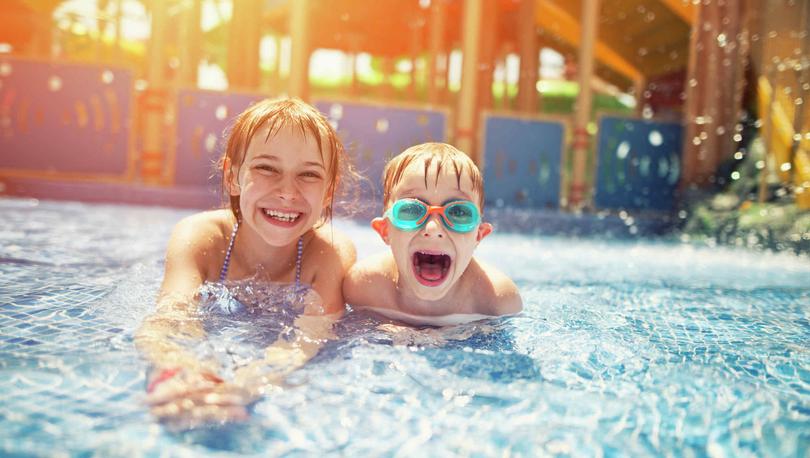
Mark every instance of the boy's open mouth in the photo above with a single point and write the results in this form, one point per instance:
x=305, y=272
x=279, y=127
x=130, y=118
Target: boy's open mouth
x=431, y=268
x=282, y=218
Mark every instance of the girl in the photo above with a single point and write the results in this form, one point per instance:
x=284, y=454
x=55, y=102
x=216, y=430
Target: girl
x=281, y=169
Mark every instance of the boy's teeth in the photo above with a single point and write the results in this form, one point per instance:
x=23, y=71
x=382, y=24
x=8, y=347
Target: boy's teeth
x=282, y=216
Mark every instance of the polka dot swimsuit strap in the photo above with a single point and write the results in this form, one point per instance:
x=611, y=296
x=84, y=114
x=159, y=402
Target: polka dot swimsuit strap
x=223, y=273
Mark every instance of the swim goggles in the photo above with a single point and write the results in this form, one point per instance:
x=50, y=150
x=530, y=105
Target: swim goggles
x=411, y=214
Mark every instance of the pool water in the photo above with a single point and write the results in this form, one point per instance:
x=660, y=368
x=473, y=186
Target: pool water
x=625, y=347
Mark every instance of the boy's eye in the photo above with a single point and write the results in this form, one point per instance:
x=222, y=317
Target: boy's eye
x=459, y=212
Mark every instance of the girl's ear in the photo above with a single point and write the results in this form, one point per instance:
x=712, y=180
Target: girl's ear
x=230, y=178
x=380, y=225
x=484, y=229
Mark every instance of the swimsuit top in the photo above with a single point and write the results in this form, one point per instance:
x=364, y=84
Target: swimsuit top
x=223, y=273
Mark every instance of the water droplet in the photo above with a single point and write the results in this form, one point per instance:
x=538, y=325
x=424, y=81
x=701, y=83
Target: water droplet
x=721, y=40
x=5, y=69
x=623, y=150
x=210, y=142
x=382, y=125
x=336, y=112
x=221, y=112
x=721, y=130
x=141, y=85
x=735, y=175
x=785, y=166
x=760, y=165
x=737, y=137
x=696, y=141
x=738, y=155
x=107, y=77
x=704, y=135
x=692, y=82
x=54, y=83
x=655, y=138
x=797, y=137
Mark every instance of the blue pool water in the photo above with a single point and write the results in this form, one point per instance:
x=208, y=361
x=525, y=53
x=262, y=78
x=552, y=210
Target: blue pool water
x=624, y=348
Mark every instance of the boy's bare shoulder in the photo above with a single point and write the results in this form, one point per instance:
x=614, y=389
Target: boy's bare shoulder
x=494, y=292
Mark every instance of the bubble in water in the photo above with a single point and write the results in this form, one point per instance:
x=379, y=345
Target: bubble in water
x=760, y=165
x=738, y=155
x=785, y=166
x=382, y=125
x=735, y=175
x=107, y=77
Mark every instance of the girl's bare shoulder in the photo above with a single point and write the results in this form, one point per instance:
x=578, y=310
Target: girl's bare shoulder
x=204, y=230
x=329, y=244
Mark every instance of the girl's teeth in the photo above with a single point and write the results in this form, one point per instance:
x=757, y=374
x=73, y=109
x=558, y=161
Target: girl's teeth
x=282, y=216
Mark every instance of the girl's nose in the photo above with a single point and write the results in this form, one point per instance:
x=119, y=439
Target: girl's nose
x=287, y=189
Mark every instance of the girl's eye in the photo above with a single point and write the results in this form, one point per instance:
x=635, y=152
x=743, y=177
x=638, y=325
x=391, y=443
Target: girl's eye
x=266, y=168
x=311, y=175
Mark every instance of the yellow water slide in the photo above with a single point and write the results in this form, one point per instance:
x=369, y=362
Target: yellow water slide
x=776, y=112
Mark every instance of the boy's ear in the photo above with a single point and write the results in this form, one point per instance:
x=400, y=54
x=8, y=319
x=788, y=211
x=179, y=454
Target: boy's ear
x=380, y=225
x=484, y=229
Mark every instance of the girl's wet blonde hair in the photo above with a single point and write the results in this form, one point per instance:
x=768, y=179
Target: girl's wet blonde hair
x=276, y=114
x=443, y=155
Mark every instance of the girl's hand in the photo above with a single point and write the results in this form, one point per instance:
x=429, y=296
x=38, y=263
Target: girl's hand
x=187, y=399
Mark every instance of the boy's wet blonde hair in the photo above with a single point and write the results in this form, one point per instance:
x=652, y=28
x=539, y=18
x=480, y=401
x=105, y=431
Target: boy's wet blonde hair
x=277, y=114
x=443, y=155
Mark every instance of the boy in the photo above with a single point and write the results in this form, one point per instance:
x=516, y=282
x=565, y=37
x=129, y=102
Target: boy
x=432, y=195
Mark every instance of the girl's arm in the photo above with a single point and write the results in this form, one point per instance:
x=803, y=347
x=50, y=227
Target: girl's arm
x=176, y=302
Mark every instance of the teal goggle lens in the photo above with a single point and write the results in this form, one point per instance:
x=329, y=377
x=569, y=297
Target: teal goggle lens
x=411, y=214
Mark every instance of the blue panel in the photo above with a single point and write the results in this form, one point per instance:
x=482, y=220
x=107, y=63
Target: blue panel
x=639, y=164
x=373, y=134
x=64, y=117
x=202, y=118
x=522, y=162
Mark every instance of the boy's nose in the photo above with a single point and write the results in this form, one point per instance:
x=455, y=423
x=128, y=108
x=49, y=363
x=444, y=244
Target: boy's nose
x=433, y=227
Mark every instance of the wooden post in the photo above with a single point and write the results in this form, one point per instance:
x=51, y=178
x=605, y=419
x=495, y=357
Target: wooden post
x=581, y=143
x=244, y=37
x=467, y=111
x=190, y=44
x=299, y=60
x=154, y=97
x=529, y=68
x=436, y=50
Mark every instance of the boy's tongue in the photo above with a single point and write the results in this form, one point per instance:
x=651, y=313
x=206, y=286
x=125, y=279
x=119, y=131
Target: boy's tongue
x=431, y=267
x=431, y=271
